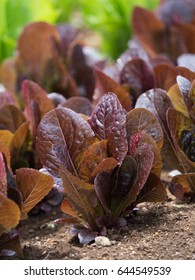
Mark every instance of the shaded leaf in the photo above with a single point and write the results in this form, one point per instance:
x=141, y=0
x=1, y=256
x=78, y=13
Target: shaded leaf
x=80, y=194
x=137, y=75
x=33, y=185
x=148, y=29
x=105, y=84
x=79, y=104
x=153, y=191
x=4, y=150
x=142, y=138
x=10, y=242
x=11, y=118
x=165, y=76
x=86, y=236
x=144, y=158
x=32, y=59
x=7, y=98
x=108, y=122
x=102, y=186
x=19, y=139
x=3, y=176
x=9, y=214
x=140, y=119
x=176, y=123
x=33, y=93
x=82, y=72
x=62, y=137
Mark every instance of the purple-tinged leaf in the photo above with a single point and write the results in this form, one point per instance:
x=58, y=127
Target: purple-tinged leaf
x=153, y=191
x=10, y=242
x=176, y=124
x=187, y=60
x=86, y=236
x=165, y=76
x=140, y=119
x=11, y=118
x=108, y=122
x=80, y=194
x=137, y=75
x=144, y=158
x=7, y=98
x=106, y=165
x=82, y=72
x=148, y=29
x=68, y=35
x=105, y=84
x=79, y=104
x=185, y=86
x=124, y=178
x=102, y=186
x=182, y=184
x=62, y=137
x=56, y=98
x=186, y=73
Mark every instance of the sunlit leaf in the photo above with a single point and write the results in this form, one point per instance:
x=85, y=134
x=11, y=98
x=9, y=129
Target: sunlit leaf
x=19, y=139
x=33, y=185
x=183, y=184
x=177, y=99
x=108, y=122
x=6, y=137
x=9, y=214
x=106, y=165
x=143, y=120
x=91, y=158
x=67, y=208
x=62, y=137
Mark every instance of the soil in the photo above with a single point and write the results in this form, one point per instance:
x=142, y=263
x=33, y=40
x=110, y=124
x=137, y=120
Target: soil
x=156, y=231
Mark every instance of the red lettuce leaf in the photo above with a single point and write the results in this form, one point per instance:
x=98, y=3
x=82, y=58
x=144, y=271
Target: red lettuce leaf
x=137, y=76
x=62, y=137
x=108, y=122
x=79, y=104
x=106, y=84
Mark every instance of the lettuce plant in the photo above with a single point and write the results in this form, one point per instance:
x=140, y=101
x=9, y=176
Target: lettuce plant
x=108, y=163
x=170, y=30
x=18, y=195
x=177, y=117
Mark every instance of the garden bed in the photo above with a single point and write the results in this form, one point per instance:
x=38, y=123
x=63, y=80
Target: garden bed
x=158, y=231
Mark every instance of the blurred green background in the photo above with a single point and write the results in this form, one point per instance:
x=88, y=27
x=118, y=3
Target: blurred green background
x=109, y=18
